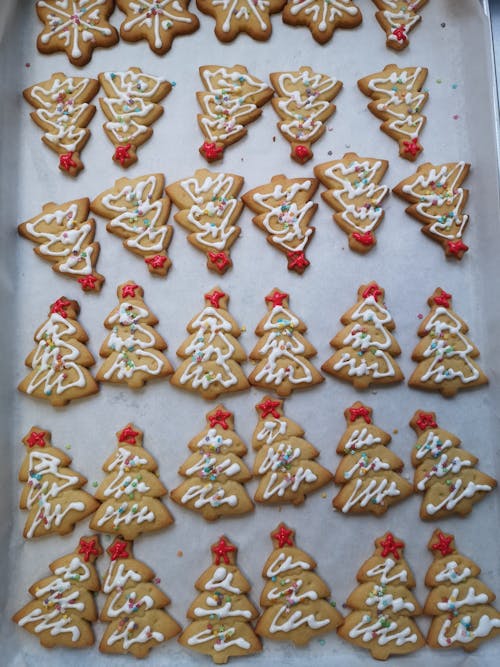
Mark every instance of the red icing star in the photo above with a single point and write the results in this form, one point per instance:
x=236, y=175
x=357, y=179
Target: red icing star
x=372, y=290
x=443, y=299
x=221, y=549
x=214, y=297
x=390, y=546
x=457, y=247
x=283, y=537
x=443, y=545
x=60, y=306
x=36, y=439
x=122, y=154
x=128, y=435
x=66, y=161
x=302, y=152
x=88, y=283
x=425, y=420
x=211, y=151
x=156, y=262
x=268, y=407
x=88, y=549
x=297, y=260
x=277, y=298
x=129, y=290
x=362, y=411
x=400, y=34
x=365, y=239
x=412, y=147
x=118, y=550
x=219, y=260
x=219, y=418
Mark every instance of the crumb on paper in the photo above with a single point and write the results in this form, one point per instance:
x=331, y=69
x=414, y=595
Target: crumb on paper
x=274, y=139
x=395, y=431
x=323, y=495
x=420, y=316
x=180, y=554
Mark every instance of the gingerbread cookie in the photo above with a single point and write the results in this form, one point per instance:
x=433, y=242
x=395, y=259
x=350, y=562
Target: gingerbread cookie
x=304, y=104
x=64, y=235
x=459, y=602
x=368, y=471
x=209, y=209
x=64, y=608
x=134, y=607
x=159, y=22
x=131, y=490
x=398, y=100
x=63, y=113
x=212, y=354
x=383, y=604
x=215, y=472
x=445, y=355
x=133, y=351
x=232, y=99
x=322, y=17
x=76, y=27
x=284, y=461
x=296, y=601
x=437, y=200
x=60, y=361
x=355, y=194
x=282, y=354
x=445, y=473
x=138, y=213
x=131, y=105
x=52, y=492
x=366, y=347
x=284, y=211
x=235, y=16
x=221, y=615
x=398, y=18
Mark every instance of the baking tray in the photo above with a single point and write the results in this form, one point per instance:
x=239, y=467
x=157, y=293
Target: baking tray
x=454, y=42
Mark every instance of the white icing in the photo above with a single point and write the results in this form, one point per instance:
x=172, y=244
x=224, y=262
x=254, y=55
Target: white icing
x=471, y=598
x=449, y=573
x=271, y=430
x=294, y=620
x=54, y=357
x=278, y=484
x=282, y=456
x=118, y=576
x=204, y=496
x=382, y=601
x=400, y=13
x=126, y=513
x=361, y=438
x=368, y=630
x=156, y=15
x=364, y=464
x=384, y=569
x=456, y=495
x=221, y=578
x=433, y=446
x=130, y=605
x=375, y=491
x=128, y=639
x=247, y=10
x=442, y=468
x=323, y=12
x=283, y=563
x=221, y=611
x=208, y=466
x=222, y=639
x=464, y=634
x=73, y=22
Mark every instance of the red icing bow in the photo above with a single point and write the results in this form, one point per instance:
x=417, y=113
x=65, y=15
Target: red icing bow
x=372, y=290
x=36, y=439
x=425, y=420
x=220, y=260
x=277, y=298
x=297, y=260
x=443, y=299
x=365, y=239
x=128, y=435
x=211, y=151
x=60, y=306
x=214, y=297
x=400, y=33
x=88, y=283
x=362, y=411
x=122, y=154
x=66, y=161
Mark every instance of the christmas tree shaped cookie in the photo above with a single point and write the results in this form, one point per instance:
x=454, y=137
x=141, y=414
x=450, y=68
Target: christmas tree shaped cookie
x=212, y=354
x=52, y=493
x=231, y=100
x=209, y=209
x=398, y=18
x=215, y=472
x=437, y=201
x=76, y=27
x=64, y=609
x=133, y=350
x=283, y=353
x=235, y=16
x=445, y=355
x=295, y=599
x=459, y=602
x=445, y=473
x=304, y=103
x=64, y=235
x=398, y=100
x=156, y=21
x=134, y=607
x=60, y=361
x=131, y=106
x=284, y=461
x=284, y=211
x=322, y=17
x=138, y=211
x=131, y=490
x=368, y=471
x=62, y=111
x=355, y=194
x=365, y=347
x=383, y=605
x=221, y=614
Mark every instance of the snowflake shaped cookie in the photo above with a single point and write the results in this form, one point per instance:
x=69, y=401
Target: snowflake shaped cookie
x=235, y=16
